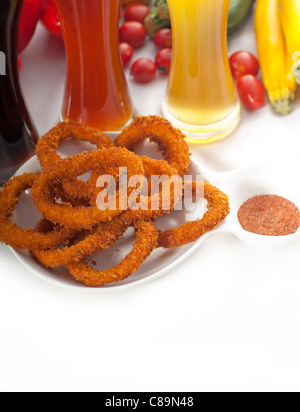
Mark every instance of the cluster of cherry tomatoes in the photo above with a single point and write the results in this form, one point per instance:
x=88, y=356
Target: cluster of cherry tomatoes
x=244, y=68
x=132, y=34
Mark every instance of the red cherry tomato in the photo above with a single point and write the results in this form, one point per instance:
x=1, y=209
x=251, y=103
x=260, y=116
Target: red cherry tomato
x=243, y=62
x=126, y=53
x=133, y=32
x=143, y=70
x=19, y=64
x=50, y=19
x=29, y=18
x=136, y=12
x=163, y=60
x=251, y=91
x=163, y=38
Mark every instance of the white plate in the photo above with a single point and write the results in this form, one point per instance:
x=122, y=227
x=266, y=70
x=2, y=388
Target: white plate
x=160, y=262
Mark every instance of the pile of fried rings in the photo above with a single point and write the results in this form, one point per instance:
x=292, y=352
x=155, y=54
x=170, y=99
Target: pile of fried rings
x=72, y=227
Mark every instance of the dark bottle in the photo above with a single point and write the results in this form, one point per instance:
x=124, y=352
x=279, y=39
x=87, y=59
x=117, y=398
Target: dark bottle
x=18, y=136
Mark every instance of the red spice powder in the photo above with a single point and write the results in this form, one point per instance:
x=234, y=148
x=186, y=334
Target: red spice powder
x=269, y=215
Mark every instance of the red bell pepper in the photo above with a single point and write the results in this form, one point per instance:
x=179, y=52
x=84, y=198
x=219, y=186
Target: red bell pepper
x=50, y=19
x=29, y=18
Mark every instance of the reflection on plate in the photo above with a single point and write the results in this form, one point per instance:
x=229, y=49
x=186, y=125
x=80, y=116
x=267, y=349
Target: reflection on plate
x=159, y=263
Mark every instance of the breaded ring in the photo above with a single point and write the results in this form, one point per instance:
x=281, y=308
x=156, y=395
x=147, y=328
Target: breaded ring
x=217, y=210
x=165, y=202
x=47, y=146
x=46, y=149
x=83, y=245
x=81, y=217
x=13, y=235
x=144, y=244
x=171, y=141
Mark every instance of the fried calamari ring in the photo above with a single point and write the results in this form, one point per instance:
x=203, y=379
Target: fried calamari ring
x=60, y=194
x=81, y=217
x=162, y=200
x=47, y=149
x=217, y=210
x=150, y=203
x=171, y=141
x=83, y=245
x=13, y=235
x=144, y=244
x=47, y=146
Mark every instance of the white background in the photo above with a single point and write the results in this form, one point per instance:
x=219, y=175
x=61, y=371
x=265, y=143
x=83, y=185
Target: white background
x=227, y=319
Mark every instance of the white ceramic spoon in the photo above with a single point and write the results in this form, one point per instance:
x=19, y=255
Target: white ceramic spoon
x=242, y=184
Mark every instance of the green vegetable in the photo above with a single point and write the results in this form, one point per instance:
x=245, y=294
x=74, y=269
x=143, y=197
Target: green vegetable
x=239, y=10
x=153, y=22
x=159, y=16
x=162, y=9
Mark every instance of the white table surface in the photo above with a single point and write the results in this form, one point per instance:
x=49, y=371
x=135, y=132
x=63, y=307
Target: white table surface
x=227, y=319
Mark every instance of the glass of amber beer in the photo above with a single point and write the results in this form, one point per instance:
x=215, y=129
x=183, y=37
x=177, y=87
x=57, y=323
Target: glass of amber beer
x=96, y=91
x=201, y=99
